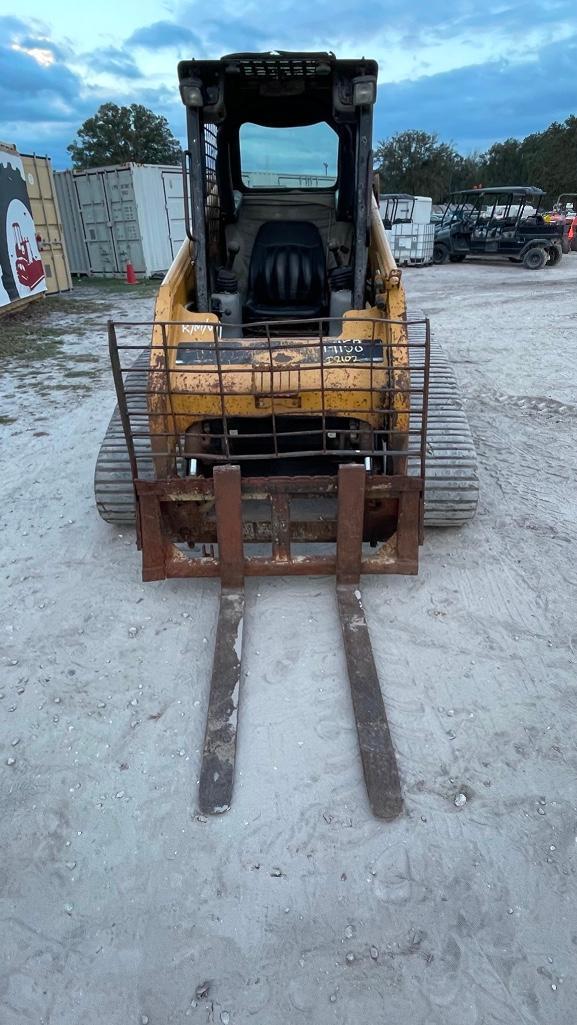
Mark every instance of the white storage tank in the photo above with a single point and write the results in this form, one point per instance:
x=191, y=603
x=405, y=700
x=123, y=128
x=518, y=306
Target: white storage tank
x=407, y=221
x=129, y=213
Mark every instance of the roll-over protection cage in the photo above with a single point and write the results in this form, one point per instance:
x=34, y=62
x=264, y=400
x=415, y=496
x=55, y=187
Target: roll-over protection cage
x=275, y=90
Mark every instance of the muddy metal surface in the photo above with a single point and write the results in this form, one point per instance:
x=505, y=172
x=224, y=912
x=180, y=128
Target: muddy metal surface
x=119, y=904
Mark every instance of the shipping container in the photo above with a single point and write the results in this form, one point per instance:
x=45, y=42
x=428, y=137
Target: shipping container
x=46, y=214
x=71, y=223
x=130, y=213
x=22, y=277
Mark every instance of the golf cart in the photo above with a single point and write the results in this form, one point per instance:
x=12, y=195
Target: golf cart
x=503, y=222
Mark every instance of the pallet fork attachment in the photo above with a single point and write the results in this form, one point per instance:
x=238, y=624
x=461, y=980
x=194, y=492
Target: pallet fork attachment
x=376, y=747
x=314, y=486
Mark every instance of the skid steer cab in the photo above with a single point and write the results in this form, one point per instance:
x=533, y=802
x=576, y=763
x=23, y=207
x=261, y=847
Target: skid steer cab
x=276, y=423
x=502, y=222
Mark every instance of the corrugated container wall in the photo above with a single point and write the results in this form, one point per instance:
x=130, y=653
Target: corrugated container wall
x=131, y=213
x=71, y=223
x=46, y=214
x=22, y=277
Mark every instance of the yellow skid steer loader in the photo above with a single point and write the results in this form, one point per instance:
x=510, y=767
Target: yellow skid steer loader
x=290, y=415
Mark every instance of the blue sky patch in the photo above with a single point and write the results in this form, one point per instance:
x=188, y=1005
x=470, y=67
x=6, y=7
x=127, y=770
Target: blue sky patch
x=474, y=74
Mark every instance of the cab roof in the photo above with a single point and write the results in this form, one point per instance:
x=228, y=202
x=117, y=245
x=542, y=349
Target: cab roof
x=277, y=89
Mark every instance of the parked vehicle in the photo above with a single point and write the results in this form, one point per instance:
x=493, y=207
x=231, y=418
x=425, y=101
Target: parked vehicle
x=565, y=213
x=284, y=398
x=498, y=222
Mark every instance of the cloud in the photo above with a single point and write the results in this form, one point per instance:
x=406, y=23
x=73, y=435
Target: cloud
x=476, y=106
x=472, y=74
x=350, y=29
x=14, y=27
x=30, y=89
x=163, y=35
x=113, y=61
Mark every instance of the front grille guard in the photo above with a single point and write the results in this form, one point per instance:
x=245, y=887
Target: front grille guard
x=388, y=403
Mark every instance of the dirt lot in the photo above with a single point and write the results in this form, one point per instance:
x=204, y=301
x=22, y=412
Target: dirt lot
x=117, y=902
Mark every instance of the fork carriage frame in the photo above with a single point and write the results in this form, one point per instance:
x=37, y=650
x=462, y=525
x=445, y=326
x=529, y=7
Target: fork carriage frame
x=353, y=488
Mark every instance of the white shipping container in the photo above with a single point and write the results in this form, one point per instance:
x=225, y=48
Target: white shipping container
x=72, y=225
x=130, y=213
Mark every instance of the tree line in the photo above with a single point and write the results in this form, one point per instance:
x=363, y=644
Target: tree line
x=412, y=161
x=418, y=163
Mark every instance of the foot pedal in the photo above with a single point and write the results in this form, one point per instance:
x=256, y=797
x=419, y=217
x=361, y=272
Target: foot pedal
x=377, y=751
x=217, y=772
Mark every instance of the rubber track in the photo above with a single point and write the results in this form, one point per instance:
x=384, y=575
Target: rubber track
x=451, y=488
x=113, y=488
x=451, y=478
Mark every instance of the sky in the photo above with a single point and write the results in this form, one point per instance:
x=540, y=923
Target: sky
x=472, y=73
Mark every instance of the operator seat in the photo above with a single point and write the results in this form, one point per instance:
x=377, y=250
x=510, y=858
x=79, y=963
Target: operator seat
x=287, y=273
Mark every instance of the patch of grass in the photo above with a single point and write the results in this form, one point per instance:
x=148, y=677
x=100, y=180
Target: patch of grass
x=82, y=389
x=5, y=420
x=35, y=334
x=82, y=357
x=78, y=306
x=117, y=286
x=83, y=375
x=24, y=336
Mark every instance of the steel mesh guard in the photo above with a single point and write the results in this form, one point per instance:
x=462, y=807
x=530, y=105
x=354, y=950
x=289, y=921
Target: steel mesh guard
x=270, y=398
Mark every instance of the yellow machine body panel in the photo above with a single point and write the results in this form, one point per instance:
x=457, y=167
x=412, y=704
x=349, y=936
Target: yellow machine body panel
x=257, y=377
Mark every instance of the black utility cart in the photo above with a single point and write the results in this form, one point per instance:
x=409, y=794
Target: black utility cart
x=498, y=222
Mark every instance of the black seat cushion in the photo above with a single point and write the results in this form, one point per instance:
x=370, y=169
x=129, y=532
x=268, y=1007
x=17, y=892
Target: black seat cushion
x=287, y=276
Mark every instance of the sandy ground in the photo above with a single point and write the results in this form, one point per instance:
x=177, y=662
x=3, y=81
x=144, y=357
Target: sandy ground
x=118, y=903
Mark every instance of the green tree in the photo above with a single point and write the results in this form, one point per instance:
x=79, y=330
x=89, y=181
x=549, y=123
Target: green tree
x=505, y=164
x=417, y=163
x=115, y=135
x=551, y=157
x=468, y=172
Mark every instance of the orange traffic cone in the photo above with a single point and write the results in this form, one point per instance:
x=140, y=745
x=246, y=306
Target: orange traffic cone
x=130, y=275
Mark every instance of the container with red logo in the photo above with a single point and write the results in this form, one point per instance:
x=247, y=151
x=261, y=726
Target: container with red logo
x=21, y=268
